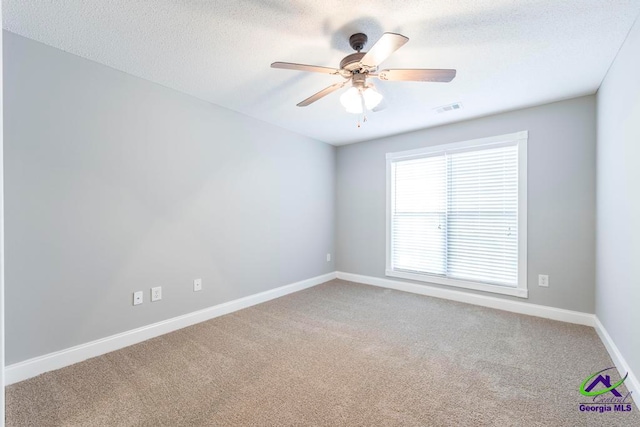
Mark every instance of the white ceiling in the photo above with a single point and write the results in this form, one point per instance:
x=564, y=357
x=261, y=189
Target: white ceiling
x=508, y=53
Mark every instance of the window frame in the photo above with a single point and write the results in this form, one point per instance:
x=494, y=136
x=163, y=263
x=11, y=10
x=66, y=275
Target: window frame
x=519, y=138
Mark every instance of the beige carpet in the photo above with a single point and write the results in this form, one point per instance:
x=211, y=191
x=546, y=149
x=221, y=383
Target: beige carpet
x=339, y=354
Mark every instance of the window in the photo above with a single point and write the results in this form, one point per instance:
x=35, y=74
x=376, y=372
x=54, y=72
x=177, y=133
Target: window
x=456, y=214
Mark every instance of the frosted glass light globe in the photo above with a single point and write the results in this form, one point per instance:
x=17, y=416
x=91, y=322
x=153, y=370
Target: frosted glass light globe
x=352, y=99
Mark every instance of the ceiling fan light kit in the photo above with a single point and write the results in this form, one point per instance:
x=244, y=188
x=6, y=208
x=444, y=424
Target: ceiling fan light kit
x=353, y=99
x=360, y=96
x=359, y=66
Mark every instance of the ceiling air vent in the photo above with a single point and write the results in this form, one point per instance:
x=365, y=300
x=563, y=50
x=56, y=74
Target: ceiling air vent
x=451, y=107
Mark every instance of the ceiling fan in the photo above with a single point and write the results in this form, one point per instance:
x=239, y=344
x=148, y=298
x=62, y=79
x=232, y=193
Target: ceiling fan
x=358, y=67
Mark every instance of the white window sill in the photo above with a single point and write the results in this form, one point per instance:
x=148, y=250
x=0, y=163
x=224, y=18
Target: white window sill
x=520, y=292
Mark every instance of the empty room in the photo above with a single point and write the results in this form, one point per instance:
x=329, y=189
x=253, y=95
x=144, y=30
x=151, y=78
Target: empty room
x=320, y=213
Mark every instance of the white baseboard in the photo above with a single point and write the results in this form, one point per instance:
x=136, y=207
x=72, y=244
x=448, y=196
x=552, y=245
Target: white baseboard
x=475, y=299
x=30, y=368
x=38, y=365
x=621, y=364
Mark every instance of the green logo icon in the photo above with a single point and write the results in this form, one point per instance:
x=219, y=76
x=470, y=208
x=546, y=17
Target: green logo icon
x=605, y=381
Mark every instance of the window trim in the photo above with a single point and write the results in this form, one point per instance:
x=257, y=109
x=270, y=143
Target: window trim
x=520, y=138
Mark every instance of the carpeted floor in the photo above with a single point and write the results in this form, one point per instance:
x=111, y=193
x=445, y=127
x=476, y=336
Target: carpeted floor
x=337, y=354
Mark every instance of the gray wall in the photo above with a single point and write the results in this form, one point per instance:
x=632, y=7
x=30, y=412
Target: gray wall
x=618, y=190
x=1, y=240
x=561, y=196
x=115, y=184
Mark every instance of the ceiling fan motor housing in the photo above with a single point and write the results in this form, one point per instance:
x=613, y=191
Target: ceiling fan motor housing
x=351, y=62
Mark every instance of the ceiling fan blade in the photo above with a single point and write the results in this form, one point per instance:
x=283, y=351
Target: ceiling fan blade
x=303, y=67
x=324, y=92
x=388, y=43
x=417, y=75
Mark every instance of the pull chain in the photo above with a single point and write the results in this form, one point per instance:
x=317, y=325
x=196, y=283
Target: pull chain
x=364, y=115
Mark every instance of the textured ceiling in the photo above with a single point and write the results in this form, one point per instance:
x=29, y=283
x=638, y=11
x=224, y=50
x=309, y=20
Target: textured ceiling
x=508, y=54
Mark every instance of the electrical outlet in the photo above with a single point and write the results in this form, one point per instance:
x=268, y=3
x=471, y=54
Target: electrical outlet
x=156, y=293
x=137, y=297
x=543, y=280
x=328, y=257
x=197, y=285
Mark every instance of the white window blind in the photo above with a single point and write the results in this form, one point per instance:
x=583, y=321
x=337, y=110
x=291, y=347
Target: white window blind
x=420, y=215
x=454, y=213
x=482, y=215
